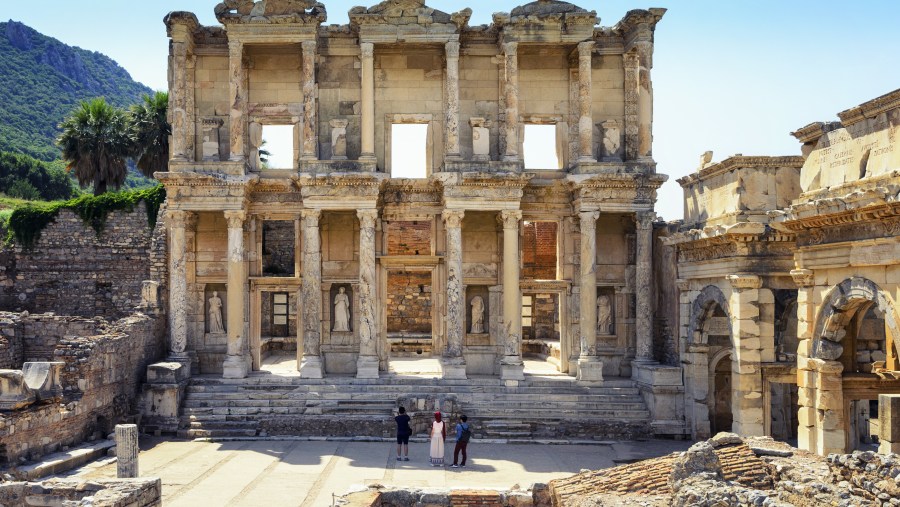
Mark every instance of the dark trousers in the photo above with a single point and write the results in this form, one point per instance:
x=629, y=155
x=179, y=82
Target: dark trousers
x=460, y=446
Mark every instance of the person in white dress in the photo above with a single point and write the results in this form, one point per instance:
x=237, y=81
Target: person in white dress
x=438, y=435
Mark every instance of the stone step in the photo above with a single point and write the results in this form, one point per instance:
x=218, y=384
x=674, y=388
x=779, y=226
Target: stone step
x=216, y=433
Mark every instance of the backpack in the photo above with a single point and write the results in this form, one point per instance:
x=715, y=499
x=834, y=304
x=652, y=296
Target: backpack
x=466, y=434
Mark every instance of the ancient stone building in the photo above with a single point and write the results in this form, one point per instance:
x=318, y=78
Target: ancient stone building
x=483, y=253
x=788, y=277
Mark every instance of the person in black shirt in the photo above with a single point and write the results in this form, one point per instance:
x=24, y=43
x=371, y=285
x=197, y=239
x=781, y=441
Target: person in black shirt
x=403, y=434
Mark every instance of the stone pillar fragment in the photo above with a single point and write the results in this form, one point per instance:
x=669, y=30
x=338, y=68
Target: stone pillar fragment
x=806, y=308
x=127, y=451
x=367, y=54
x=451, y=108
x=338, y=139
x=178, y=100
x=590, y=368
x=746, y=399
x=585, y=103
x=643, y=287
x=511, y=365
x=889, y=419
x=310, y=103
x=454, y=363
x=481, y=139
x=511, y=92
x=367, y=364
x=238, y=100
x=178, y=221
x=311, y=298
x=236, y=363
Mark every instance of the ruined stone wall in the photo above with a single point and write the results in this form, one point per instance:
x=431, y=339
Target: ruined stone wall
x=12, y=350
x=409, y=302
x=105, y=364
x=409, y=238
x=74, y=271
x=109, y=492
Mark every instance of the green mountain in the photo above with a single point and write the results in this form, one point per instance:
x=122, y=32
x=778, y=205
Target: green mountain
x=42, y=80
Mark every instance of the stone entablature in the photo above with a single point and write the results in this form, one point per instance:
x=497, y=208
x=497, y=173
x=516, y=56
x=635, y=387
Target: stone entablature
x=739, y=189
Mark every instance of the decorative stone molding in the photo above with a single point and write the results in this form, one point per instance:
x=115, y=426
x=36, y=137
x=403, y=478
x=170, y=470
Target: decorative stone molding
x=300, y=12
x=510, y=219
x=803, y=277
x=235, y=218
x=453, y=218
x=743, y=281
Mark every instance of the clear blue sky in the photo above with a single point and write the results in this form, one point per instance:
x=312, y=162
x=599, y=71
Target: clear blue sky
x=732, y=76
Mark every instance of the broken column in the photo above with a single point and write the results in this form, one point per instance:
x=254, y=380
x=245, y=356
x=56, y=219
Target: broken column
x=127, y=451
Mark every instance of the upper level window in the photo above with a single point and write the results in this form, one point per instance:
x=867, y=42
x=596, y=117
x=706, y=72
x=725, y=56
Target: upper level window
x=409, y=150
x=541, y=148
x=277, y=148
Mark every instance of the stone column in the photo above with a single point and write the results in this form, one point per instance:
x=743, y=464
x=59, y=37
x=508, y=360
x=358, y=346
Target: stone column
x=236, y=362
x=746, y=374
x=645, y=101
x=310, y=106
x=632, y=92
x=454, y=363
x=179, y=100
x=238, y=96
x=178, y=283
x=644, y=287
x=512, y=367
x=590, y=368
x=367, y=364
x=585, y=103
x=190, y=108
x=511, y=91
x=311, y=298
x=806, y=390
x=367, y=54
x=127, y=451
x=451, y=146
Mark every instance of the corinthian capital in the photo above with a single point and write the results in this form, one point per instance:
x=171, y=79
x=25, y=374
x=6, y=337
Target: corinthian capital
x=453, y=217
x=367, y=218
x=235, y=218
x=588, y=219
x=367, y=49
x=644, y=220
x=510, y=218
x=311, y=217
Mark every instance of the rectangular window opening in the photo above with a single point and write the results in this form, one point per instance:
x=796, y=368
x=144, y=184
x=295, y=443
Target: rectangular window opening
x=277, y=149
x=541, y=147
x=409, y=148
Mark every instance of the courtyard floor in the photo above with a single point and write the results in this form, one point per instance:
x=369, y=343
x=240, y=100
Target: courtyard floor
x=307, y=473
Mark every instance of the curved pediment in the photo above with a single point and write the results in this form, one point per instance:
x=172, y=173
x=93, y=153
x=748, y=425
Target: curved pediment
x=407, y=12
x=547, y=8
x=270, y=11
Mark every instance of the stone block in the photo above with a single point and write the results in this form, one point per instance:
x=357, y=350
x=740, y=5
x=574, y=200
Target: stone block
x=831, y=442
x=590, y=371
x=806, y=397
x=44, y=379
x=806, y=378
x=889, y=416
x=829, y=400
x=14, y=392
x=830, y=419
x=823, y=366
x=804, y=348
x=806, y=416
x=167, y=373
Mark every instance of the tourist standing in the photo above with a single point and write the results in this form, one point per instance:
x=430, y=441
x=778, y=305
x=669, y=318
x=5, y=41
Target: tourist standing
x=404, y=431
x=438, y=435
x=463, y=434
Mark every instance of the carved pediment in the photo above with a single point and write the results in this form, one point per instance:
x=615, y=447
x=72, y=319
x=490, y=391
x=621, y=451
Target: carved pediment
x=271, y=11
x=547, y=21
x=407, y=12
x=546, y=8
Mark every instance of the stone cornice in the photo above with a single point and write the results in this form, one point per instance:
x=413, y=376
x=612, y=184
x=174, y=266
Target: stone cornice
x=397, y=12
x=181, y=18
x=480, y=179
x=363, y=180
x=871, y=109
x=194, y=179
x=740, y=162
x=546, y=20
x=744, y=232
x=812, y=132
x=878, y=201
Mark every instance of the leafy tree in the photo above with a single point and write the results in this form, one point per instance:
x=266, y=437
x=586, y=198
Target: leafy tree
x=21, y=189
x=152, y=132
x=49, y=179
x=96, y=140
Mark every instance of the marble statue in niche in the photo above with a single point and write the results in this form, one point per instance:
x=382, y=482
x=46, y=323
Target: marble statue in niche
x=604, y=316
x=341, y=311
x=215, y=314
x=477, y=315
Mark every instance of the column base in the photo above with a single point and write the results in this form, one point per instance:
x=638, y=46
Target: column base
x=311, y=367
x=367, y=367
x=590, y=370
x=512, y=370
x=453, y=368
x=235, y=367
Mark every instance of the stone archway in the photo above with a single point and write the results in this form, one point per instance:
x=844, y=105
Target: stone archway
x=721, y=415
x=823, y=406
x=709, y=336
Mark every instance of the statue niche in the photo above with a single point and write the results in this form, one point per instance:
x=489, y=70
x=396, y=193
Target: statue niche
x=214, y=298
x=477, y=316
x=341, y=306
x=605, y=313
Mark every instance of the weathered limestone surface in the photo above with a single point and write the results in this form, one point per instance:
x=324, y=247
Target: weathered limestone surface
x=127, y=451
x=367, y=367
x=310, y=298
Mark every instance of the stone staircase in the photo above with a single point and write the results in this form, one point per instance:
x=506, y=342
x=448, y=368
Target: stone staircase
x=544, y=408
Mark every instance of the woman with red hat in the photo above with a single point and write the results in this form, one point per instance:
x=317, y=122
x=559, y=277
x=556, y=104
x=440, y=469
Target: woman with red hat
x=438, y=435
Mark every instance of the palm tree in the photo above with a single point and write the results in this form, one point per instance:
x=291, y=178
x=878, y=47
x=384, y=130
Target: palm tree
x=96, y=141
x=152, y=131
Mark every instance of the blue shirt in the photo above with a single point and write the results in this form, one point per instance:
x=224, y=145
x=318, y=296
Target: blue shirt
x=459, y=429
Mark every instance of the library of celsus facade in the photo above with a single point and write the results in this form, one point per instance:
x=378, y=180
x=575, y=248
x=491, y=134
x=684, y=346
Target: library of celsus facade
x=479, y=257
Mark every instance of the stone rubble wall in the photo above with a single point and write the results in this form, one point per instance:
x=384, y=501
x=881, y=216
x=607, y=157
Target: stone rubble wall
x=105, y=365
x=74, y=493
x=12, y=348
x=72, y=270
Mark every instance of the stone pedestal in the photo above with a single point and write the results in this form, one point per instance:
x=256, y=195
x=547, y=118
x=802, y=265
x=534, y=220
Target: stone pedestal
x=127, y=451
x=163, y=393
x=453, y=368
x=889, y=419
x=512, y=373
x=367, y=367
x=311, y=367
x=663, y=392
x=590, y=370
